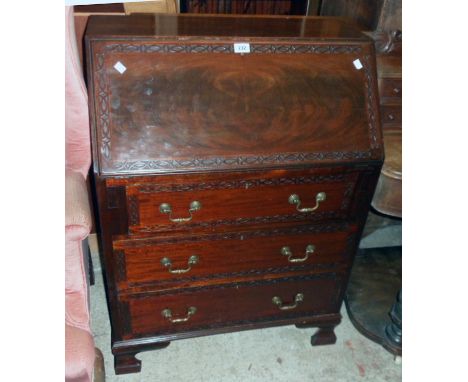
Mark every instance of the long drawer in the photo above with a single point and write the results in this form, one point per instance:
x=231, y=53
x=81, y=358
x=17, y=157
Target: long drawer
x=238, y=254
x=171, y=204
x=234, y=304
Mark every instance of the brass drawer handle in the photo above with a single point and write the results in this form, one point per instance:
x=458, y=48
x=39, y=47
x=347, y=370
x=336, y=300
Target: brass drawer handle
x=294, y=199
x=167, y=313
x=297, y=299
x=286, y=251
x=165, y=208
x=166, y=262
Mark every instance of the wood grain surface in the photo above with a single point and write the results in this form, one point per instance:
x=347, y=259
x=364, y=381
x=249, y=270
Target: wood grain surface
x=232, y=305
x=178, y=116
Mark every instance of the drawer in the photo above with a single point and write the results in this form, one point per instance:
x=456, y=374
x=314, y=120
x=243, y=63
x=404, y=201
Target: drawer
x=391, y=115
x=390, y=89
x=226, y=201
x=234, y=304
x=235, y=255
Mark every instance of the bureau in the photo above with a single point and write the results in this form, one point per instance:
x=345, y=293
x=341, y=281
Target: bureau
x=234, y=163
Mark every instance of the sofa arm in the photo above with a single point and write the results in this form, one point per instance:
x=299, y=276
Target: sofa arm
x=79, y=355
x=77, y=228
x=77, y=210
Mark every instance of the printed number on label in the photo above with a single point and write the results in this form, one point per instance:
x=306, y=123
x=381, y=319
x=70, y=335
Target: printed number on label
x=242, y=47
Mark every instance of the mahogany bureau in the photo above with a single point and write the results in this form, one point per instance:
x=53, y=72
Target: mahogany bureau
x=235, y=159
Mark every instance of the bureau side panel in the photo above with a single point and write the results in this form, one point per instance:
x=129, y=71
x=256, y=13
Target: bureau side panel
x=112, y=211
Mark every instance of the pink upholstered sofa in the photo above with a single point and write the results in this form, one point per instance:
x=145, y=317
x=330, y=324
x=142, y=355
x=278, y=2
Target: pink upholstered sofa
x=79, y=343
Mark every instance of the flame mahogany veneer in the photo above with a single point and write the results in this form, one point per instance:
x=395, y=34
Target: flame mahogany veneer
x=204, y=160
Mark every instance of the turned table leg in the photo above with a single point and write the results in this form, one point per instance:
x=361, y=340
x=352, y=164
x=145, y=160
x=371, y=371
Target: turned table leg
x=374, y=282
x=393, y=332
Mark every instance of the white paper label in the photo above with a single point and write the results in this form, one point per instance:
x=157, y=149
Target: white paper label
x=242, y=47
x=357, y=64
x=120, y=67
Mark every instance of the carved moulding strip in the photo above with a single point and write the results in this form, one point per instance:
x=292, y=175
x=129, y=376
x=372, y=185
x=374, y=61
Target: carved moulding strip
x=240, y=221
x=220, y=162
x=253, y=272
x=133, y=210
x=371, y=104
x=229, y=48
x=242, y=183
x=154, y=293
x=102, y=111
x=243, y=235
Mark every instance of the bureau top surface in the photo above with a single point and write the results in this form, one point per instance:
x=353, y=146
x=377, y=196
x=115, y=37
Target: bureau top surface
x=151, y=25
x=163, y=103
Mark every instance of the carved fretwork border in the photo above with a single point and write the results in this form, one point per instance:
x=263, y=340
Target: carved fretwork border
x=241, y=221
x=249, y=283
x=133, y=210
x=244, y=183
x=242, y=235
x=102, y=107
x=220, y=162
x=103, y=119
x=324, y=267
x=370, y=104
x=229, y=48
